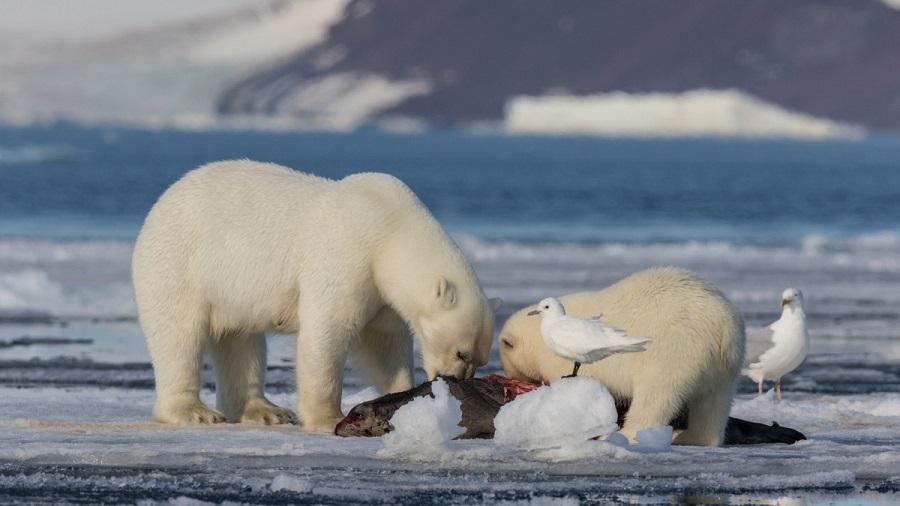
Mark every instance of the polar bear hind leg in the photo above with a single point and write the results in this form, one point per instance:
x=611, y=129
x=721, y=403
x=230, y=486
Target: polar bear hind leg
x=658, y=396
x=176, y=344
x=240, y=365
x=650, y=407
x=707, y=416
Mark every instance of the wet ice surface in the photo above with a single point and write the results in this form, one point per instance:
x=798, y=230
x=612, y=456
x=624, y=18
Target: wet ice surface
x=76, y=395
x=95, y=443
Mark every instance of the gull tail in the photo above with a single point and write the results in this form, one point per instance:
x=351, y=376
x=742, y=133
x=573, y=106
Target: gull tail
x=753, y=372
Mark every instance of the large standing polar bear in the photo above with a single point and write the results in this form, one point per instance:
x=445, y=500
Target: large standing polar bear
x=238, y=248
x=693, y=361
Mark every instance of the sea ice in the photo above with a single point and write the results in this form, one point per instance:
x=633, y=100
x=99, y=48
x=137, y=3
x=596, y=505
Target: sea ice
x=569, y=410
x=423, y=426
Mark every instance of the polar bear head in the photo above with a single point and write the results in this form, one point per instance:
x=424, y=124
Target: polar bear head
x=523, y=354
x=455, y=329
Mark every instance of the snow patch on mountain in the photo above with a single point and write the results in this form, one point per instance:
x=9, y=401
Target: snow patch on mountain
x=276, y=32
x=344, y=101
x=703, y=112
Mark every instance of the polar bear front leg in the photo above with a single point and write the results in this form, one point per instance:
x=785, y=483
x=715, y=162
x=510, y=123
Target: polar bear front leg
x=385, y=351
x=240, y=364
x=322, y=350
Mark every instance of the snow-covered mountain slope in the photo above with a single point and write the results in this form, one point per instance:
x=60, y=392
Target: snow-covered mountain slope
x=161, y=63
x=806, y=68
x=793, y=62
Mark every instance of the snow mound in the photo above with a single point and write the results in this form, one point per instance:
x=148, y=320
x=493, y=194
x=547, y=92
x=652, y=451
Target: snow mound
x=423, y=426
x=570, y=410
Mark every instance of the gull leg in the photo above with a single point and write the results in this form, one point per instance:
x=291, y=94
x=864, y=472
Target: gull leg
x=574, y=370
x=759, y=387
x=778, y=389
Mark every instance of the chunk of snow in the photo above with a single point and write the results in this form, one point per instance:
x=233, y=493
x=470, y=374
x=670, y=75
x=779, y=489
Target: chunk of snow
x=290, y=484
x=423, y=426
x=616, y=438
x=656, y=438
x=569, y=410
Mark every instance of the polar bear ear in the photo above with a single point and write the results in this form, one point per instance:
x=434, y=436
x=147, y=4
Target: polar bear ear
x=496, y=303
x=445, y=293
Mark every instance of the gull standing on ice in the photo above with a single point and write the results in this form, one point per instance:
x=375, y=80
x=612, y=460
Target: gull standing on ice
x=779, y=348
x=583, y=341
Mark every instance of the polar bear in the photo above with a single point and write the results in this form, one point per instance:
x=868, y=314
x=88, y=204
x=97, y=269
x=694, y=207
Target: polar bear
x=235, y=249
x=693, y=361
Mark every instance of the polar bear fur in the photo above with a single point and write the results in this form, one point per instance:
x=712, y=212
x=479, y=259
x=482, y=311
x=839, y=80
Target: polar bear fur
x=238, y=248
x=693, y=361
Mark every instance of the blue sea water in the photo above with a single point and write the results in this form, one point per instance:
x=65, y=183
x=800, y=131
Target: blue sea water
x=67, y=181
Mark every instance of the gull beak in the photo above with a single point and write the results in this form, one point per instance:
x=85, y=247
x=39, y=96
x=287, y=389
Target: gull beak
x=785, y=302
x=535, y=312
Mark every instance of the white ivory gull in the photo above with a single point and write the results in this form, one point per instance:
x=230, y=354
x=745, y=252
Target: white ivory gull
x=778, y=349
x=583, y=341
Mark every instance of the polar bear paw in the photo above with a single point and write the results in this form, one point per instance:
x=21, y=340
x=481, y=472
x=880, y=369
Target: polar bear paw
x=321, y=424
x=262, y=412
x=188, y=413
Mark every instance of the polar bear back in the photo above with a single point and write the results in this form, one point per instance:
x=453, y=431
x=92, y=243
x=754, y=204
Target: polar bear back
x=692, y=325
x=258, y=221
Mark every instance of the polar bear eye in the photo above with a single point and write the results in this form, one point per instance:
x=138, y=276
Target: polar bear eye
x=506, y=343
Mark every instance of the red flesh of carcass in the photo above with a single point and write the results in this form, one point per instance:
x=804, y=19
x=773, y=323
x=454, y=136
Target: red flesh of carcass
x=511, y=387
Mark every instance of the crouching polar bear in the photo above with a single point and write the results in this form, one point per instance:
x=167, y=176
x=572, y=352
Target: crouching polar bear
x=693, y=362
x=238, y=248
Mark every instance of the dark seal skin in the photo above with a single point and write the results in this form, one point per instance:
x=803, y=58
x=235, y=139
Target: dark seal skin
x=481, y=399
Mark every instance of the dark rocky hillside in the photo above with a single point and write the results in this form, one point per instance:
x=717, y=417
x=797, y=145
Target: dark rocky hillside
x=838, y=59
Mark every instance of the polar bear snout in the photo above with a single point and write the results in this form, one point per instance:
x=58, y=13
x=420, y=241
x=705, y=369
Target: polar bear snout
x=456, y=341
x=442, y=366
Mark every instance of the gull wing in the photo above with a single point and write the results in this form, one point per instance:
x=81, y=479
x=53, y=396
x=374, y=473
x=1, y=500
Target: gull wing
x=602, y=353
x=598, y=319
x=589, y=336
